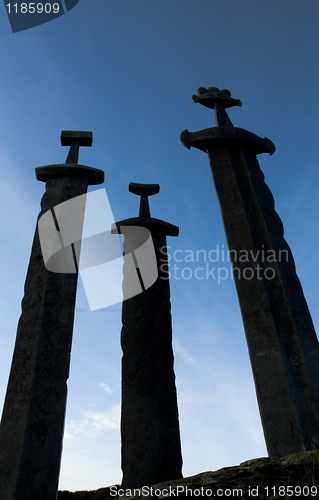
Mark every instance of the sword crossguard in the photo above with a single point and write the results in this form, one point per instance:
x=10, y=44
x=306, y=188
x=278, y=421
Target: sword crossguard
x=144, y=191
x=75, y=139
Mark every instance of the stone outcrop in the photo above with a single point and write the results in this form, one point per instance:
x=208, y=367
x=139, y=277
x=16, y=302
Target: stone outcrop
x=293, y=476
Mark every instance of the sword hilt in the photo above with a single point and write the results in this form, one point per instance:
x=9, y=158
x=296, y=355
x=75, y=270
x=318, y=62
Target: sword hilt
x=144, y=191
x=218, y=100
x=75, y=139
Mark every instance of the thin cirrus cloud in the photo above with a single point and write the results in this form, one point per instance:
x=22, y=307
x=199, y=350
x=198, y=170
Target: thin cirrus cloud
x=105, y=386
x=93, y=424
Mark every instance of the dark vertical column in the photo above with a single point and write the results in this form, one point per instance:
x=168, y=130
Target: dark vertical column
x=32, y=422
x=151, y=450
x=282, y=342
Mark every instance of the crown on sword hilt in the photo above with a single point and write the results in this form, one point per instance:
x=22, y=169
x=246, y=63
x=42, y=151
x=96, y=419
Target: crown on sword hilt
x=218, y=100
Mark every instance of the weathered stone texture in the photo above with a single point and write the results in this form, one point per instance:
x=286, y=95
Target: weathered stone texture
x=285, y=390
x=149, y=424
x=33, y=416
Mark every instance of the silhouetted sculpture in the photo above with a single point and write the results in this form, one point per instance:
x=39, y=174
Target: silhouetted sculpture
x=33, y=416
x=151, y=450
x=282, y=342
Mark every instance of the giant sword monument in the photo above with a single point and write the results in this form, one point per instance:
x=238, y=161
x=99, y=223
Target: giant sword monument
x=151, y=447
x=282, y=343
x=33, y=416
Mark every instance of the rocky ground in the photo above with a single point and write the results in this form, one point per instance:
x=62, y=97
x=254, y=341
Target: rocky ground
x=294, y=476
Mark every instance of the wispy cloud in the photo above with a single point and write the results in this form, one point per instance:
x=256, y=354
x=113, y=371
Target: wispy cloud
x=106, y=387
x=92, y=424
x=183, y=352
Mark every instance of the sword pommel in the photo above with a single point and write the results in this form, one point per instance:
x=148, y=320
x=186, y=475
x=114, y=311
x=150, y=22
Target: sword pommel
x=144, y=191
x=149, y=189
x=75, y=139
x=208, y=97
x=83, y=138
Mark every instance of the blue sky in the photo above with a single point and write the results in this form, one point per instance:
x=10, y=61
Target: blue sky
x=126, y=71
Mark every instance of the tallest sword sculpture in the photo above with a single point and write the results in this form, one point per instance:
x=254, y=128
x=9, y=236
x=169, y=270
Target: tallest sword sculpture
x=282, y=342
